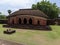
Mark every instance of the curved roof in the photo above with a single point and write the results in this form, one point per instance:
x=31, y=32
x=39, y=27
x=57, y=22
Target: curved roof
x=28, y=12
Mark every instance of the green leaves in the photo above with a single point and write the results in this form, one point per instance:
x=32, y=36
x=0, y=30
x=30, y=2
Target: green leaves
x=9, y=11
x=51, y=10
x=2, y=16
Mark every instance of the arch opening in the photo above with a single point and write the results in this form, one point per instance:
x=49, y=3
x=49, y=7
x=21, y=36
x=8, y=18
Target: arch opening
x=30, y=21
x=13, y=21
x=38, y=22
x=19, y=20
x=25, y=21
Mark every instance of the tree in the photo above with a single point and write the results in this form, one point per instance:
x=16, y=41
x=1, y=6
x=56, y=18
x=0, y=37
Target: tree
x=9, y=11
x=51, y=10
x=0, y=13
x=2, y=16
x=34, y=6
x=59, y=10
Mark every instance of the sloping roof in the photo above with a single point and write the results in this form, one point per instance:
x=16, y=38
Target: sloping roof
x=29, y=12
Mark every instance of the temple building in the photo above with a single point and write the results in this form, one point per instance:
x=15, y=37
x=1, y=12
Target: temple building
x=27, y=17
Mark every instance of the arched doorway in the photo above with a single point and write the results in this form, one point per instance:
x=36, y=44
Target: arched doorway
x=13, y=21
x=19, y=20
x=25, y=21
x=38, y=22
x=30, y=21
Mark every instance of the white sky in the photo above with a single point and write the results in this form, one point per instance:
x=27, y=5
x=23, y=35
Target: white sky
x=19, y=4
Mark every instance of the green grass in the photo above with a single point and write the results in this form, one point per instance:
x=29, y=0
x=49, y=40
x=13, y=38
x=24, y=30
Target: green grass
x=55, y=33
x=32, y=37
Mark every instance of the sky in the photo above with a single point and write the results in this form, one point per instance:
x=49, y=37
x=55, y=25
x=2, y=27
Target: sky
x=14, y=5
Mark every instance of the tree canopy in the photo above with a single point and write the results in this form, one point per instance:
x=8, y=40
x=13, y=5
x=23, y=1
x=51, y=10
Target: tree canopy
x=2, y=16
x=50, y=9
x=9, y=11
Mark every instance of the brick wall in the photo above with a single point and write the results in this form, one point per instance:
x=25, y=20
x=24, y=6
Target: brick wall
x=34, y=20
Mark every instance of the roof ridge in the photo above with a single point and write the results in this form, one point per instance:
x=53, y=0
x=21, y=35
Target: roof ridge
x=28, y=9
x=35, y=12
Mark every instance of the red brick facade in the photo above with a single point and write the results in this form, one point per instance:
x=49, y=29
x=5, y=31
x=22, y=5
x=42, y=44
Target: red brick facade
x=35, y=20
x=28, y=16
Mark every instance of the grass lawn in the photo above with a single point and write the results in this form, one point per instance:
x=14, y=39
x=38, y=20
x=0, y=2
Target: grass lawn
x=33, y=37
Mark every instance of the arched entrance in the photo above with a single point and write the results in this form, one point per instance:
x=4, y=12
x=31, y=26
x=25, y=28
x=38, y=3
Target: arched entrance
x=30, y=21
x=25, y=21
x=13, y=21
x=38, y=22
x=19, y=20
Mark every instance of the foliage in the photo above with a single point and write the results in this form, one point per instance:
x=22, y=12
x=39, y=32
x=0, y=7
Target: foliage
x=50, y=9
x=2, y=16
x=9, y=11
x=59, y=10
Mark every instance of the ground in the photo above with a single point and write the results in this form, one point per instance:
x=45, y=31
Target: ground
x=4, y=42
x=33, y=37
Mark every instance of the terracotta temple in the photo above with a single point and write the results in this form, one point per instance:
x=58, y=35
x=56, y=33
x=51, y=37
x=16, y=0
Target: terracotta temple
x=27, y=17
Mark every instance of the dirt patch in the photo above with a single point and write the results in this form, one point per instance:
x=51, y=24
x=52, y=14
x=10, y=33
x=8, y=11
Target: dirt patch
x=4, y=42
x=55, y=42
x=39, y=40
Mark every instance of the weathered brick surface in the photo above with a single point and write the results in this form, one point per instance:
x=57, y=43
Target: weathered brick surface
x=35, y=20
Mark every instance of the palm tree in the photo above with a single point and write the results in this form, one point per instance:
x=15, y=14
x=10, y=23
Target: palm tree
x=9, y=11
